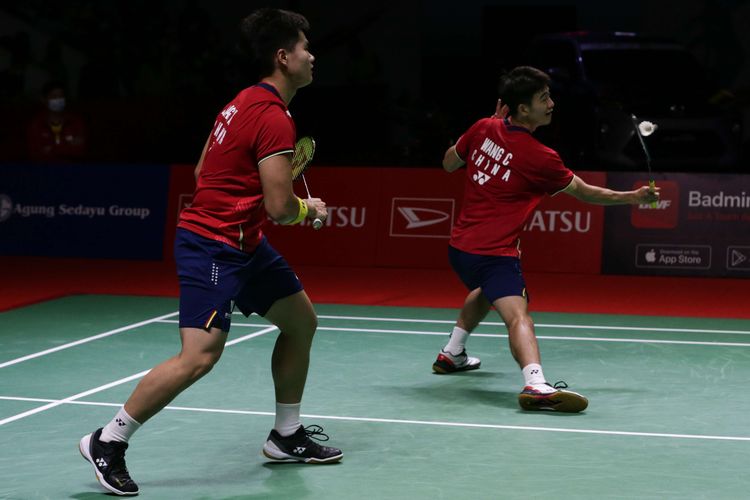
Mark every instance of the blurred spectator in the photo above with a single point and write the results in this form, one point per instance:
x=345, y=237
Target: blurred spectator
x=55, y=134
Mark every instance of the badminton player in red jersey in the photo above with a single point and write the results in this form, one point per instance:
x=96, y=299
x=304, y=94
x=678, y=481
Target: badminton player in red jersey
x=508, y=172
x=224, y=260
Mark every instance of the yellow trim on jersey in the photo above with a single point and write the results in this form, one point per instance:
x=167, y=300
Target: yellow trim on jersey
x=285, y=152
x=566, y=187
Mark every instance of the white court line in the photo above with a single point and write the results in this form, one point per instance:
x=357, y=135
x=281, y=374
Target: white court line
x=80, y=395
x=499, y=335
x=539, y=325
x=413, y=422
x=87, y=339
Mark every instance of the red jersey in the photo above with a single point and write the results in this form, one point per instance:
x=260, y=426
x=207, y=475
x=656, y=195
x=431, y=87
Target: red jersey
x=508, y=172
x=228, y=201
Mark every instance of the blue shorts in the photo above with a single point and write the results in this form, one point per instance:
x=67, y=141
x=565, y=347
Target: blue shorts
x=497, y=276
x=215, y=277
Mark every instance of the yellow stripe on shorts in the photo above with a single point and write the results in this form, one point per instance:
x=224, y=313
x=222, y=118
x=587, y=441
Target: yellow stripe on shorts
x=208, y=323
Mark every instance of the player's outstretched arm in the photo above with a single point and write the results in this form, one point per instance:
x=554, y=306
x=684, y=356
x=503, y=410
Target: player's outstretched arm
x=579, y=189
x=451, y=160
x=280, y=202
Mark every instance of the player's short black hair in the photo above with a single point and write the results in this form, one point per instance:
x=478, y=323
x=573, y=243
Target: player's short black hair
x=519, y=85
x=264, y=32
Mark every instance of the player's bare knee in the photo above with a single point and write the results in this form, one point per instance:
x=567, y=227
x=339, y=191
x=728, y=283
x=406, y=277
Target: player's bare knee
x=520, y=323
x=304, y=327
x=198, y=365
x=203, y=366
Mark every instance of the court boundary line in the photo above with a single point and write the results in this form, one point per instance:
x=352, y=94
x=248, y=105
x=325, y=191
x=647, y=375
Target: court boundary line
x=539, y=325
x=98, y=336
x=121, y=381
x=502, y=335
x=409, y=421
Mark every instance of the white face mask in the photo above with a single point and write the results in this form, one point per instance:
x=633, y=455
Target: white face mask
x=56, y=105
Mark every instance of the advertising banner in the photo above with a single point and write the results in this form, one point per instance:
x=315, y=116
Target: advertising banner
x=349, y=236
x=90, y=211
x=402, y=217
x=418, y=208
x=700, y=227
x=564, y=234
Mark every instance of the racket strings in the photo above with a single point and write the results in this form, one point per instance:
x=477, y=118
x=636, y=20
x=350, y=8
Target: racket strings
x=303, y=154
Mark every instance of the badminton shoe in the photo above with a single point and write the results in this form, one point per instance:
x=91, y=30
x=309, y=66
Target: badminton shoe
x=451, y=363
x=108, y=460
x=551, y=398
x=300, y=447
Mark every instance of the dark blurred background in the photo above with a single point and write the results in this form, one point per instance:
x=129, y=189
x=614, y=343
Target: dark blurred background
x=396, y=82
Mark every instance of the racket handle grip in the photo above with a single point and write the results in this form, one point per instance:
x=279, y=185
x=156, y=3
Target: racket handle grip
x=652, y=185
x=317, y=224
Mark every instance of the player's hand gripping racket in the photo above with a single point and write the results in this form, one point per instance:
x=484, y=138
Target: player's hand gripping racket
x=645, y=129
x=304, y=151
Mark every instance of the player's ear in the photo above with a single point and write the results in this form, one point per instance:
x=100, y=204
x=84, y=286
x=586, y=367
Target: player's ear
x=281, y=57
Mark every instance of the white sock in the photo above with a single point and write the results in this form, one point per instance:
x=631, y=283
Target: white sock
x=457, y=342
x=287, y=418
x=533, y=374
x=119, y=428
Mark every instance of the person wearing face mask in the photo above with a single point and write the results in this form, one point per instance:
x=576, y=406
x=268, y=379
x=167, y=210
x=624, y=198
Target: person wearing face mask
x=56, y=134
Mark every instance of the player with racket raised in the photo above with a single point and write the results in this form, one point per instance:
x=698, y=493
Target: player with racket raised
x=224, y=260
x=508, y=172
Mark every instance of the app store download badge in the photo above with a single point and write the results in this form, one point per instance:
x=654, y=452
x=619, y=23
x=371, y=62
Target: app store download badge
x=662, y=256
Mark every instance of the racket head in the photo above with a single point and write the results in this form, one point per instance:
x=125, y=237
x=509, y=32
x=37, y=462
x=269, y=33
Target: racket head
x=304, y=150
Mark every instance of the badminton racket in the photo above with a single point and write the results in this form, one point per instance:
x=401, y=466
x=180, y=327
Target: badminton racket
x=651, y=128
x=304, y=151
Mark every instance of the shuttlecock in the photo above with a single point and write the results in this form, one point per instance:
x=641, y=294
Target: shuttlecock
x=647, y=128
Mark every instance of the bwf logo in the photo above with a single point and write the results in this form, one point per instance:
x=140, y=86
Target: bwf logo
x=422, y=217
x=665, y=215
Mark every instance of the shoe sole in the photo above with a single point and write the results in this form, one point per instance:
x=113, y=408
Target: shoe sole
x=561, y=400
x=273, y=453
x=443, y=370
x=84, y=445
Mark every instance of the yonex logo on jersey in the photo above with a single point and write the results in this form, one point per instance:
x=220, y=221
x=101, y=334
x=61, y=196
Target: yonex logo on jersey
x=481, y=177
x=422, y=217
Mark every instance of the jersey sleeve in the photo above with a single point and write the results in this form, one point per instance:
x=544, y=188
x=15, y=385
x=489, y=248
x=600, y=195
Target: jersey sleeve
x=552, y=176
x=275, y=134
x=463, y=142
